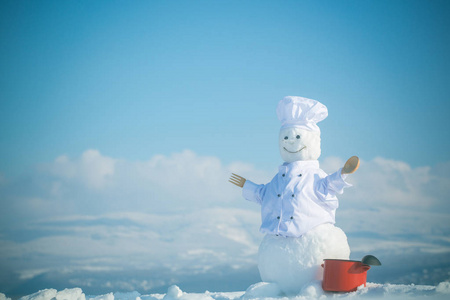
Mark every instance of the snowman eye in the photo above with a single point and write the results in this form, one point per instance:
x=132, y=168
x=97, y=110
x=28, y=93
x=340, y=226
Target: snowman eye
x=298, y=137
x=285, y=137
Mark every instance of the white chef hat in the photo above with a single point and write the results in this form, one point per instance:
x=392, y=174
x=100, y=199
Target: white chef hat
x=301, y=112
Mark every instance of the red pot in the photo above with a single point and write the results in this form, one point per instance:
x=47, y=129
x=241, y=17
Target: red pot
x=343, y=275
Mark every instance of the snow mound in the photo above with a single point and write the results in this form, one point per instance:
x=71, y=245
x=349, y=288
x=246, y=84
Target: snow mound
x=75, y=294
x=313, y=290
x=67, y=294
x=173, y=293
x=443, y=287
x=263, y=290
x=109, y=296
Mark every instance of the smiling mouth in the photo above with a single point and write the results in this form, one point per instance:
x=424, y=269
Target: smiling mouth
x=295, y=151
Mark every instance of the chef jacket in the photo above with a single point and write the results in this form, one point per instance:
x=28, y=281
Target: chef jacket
x=300, y=197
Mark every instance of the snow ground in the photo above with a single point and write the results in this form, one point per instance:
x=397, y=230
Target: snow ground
x=259, y=291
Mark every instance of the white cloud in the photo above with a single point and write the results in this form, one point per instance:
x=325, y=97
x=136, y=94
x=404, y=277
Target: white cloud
x=92, y=168
x=383, y=183
x=93, y=184
x=387, y=195
x=179, y=211
x=395, y=206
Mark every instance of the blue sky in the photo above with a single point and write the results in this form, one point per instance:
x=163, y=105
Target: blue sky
x=149, y=77
x=120, y=122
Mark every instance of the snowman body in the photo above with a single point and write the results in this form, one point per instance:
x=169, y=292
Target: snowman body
x=298, y=206
x=298, y=214
x=293, y=262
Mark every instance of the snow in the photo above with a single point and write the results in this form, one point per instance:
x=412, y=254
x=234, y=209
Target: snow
x=260, y=290
x=443, y=287
x=67, y=294
x=293, y=262
x=263, y=290
x=109, y=296
x=174, y=292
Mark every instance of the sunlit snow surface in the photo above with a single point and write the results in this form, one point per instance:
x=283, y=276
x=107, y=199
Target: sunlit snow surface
x=259, y=291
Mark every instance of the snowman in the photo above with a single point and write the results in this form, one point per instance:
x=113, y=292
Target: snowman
x=298, y=206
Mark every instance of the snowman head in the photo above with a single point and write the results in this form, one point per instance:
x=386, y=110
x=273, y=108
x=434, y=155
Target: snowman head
x=299, y=135
x=299, y=144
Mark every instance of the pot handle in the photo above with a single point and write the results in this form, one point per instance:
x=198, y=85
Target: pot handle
x=323, y=266
x=365, y=267
x=371, y=260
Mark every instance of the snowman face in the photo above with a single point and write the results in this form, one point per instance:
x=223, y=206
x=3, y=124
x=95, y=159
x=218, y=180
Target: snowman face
x=298, y=144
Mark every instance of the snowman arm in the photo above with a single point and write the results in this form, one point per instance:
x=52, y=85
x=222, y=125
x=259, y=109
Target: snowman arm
x=332, y=184
x=253, y=192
